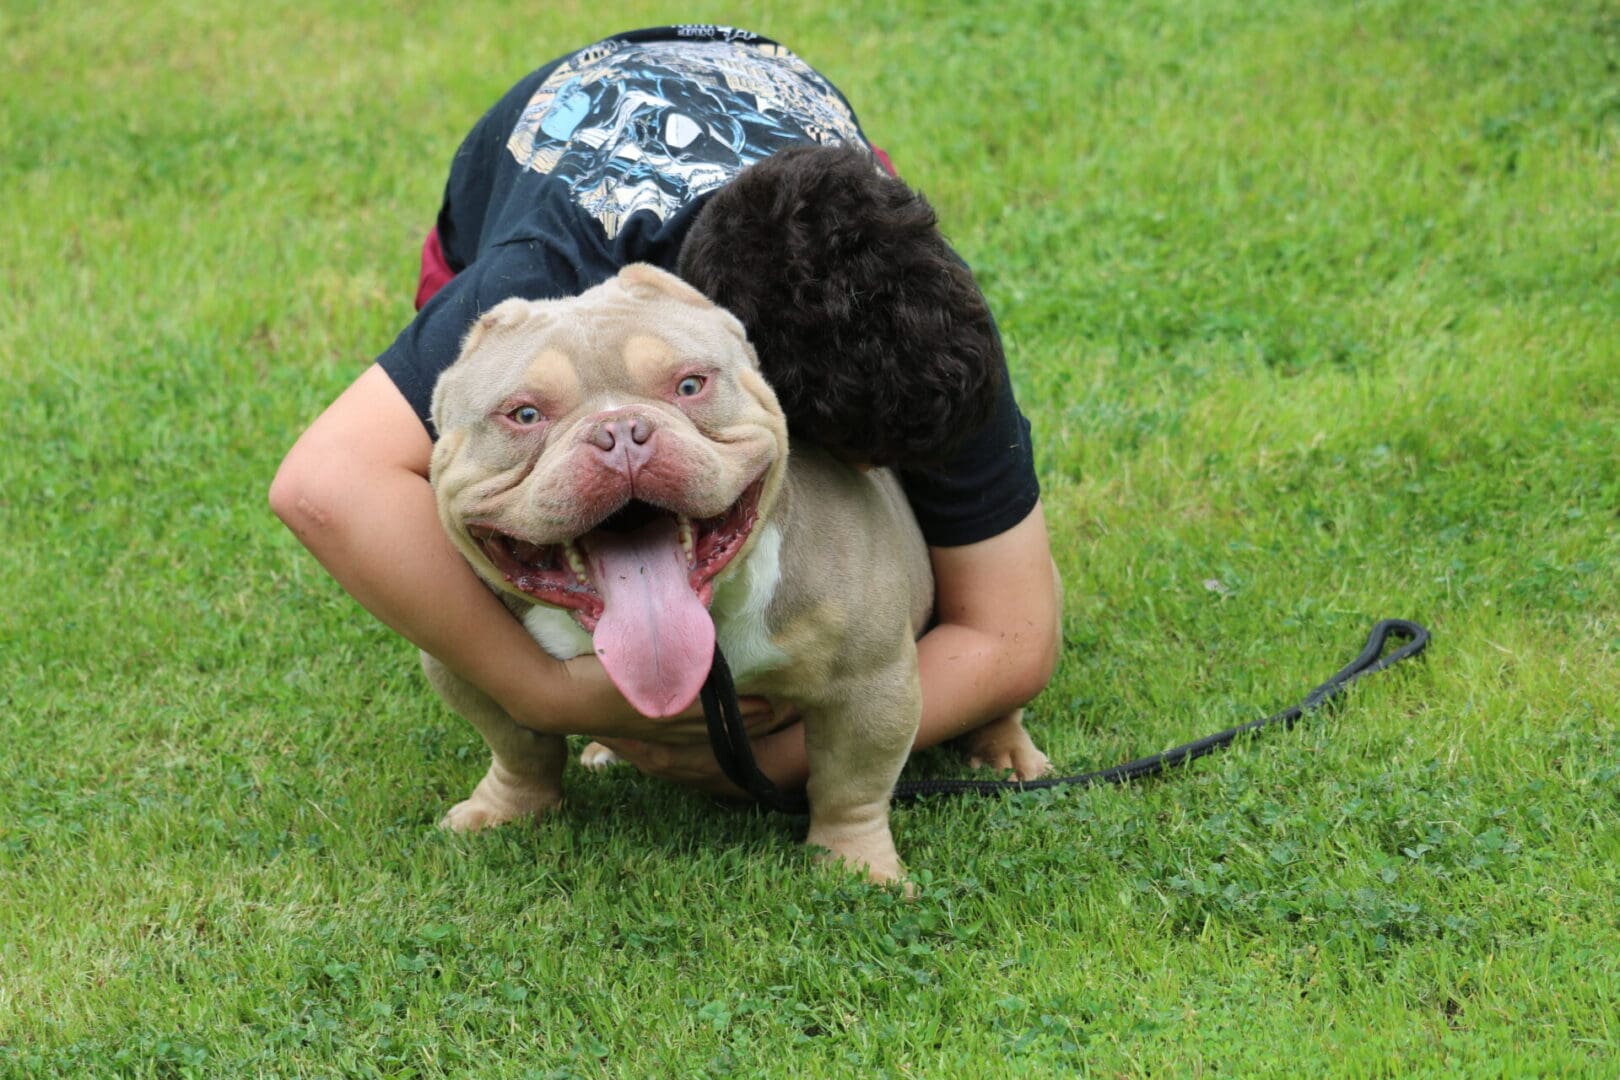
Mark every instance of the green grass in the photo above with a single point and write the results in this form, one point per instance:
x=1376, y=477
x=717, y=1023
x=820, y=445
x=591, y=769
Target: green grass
x=1315, y=301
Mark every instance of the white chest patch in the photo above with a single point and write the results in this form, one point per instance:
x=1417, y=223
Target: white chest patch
x=556, y=631
x=740, y=602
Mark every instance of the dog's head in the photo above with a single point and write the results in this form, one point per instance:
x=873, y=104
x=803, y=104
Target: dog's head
x=611, y=454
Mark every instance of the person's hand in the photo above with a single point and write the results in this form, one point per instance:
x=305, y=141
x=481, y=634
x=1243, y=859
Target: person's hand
x=691, y=765
x=694, y=765
x=615, y=718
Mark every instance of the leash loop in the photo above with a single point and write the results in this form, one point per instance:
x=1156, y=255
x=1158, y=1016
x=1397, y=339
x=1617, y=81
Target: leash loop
x=729, y=738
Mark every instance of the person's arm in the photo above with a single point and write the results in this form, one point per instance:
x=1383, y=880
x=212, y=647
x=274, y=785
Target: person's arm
x=354, y=490
x=997, y=638
x=994, y=647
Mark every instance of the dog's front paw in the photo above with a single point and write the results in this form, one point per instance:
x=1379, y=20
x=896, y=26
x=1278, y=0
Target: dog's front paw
x=1004, y=745
x=495, y=802
x=866, y=849
x=597, y=757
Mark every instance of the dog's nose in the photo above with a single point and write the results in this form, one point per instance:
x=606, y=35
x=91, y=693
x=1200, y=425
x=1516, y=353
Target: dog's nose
x=626, y=431
x=626, y=441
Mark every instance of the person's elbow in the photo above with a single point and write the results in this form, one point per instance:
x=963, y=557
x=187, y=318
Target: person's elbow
x=302, y=494
x=327, y=485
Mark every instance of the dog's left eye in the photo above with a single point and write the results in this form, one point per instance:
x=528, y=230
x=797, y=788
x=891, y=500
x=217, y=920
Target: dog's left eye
x=525, y=415
x=689, y=386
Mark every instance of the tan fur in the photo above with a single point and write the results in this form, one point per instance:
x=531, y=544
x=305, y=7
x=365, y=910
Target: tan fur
x=854, y=589
x=648, y=359
x=553, y=377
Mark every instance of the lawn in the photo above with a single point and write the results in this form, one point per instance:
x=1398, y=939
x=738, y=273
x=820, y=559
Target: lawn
x=1313, y=310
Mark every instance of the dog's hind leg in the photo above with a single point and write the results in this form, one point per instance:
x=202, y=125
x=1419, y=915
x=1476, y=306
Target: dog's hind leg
x=525, y=772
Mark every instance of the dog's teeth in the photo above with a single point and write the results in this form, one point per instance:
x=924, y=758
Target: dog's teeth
x=576, y=563
x=688, y=539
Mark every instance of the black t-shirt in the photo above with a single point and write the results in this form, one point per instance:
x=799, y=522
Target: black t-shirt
x=603, y=158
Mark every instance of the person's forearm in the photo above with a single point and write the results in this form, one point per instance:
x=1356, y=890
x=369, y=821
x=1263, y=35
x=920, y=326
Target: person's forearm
x=355, y=491
x=410, y=577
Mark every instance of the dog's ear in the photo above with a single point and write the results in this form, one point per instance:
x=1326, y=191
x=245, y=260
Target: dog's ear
x=646, y=281
x=504, y=315
x=455, y=379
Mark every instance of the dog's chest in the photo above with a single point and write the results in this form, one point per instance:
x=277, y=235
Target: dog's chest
x=739, y=608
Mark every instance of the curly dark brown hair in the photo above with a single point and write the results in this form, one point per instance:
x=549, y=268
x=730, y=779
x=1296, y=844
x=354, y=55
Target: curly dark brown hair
x=868, y=326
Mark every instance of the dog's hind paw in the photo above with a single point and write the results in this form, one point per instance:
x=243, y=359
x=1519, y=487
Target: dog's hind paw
x=597, y=757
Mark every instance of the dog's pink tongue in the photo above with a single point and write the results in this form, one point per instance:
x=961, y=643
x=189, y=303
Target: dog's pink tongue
x=654, y=637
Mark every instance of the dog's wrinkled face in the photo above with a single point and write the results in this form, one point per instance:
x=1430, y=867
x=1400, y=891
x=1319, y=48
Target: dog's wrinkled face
x=610, y=454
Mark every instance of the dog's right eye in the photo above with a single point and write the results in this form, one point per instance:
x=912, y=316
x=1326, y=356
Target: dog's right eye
x=525, y=415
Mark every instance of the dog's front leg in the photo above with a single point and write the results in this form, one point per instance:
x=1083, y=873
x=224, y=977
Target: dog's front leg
x=525, y=771
x=856, y=748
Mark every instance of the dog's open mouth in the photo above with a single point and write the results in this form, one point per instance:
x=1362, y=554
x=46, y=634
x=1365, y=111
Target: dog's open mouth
x=640, y=582
x=560, y=574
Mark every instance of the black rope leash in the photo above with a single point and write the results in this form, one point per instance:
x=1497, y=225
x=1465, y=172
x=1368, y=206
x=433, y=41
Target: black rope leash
x=729, y=740
x=729, y=737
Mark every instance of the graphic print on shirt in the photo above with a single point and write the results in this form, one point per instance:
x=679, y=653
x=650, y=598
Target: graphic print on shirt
x=633, y=126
